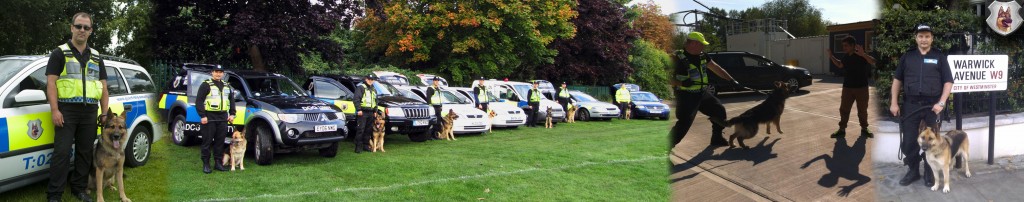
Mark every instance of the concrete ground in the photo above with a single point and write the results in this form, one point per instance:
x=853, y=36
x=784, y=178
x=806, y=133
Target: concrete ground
x=998, y=182
x=803, y=164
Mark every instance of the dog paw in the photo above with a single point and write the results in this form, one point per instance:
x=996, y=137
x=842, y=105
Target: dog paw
x=125, y=199
x=935, y=188
x=968, y=174
x=945, y=189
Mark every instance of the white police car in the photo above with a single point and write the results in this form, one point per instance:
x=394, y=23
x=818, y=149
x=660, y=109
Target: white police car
x=26, y=128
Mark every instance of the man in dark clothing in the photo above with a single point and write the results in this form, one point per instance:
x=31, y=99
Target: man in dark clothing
x=924, y=75
x=563, y=97
x=480, y=91
x=73, y=108
x=434, y=97
x=216, y=110
x=690, y=82
x=533, y=100
x=855, y=85
x=366, y=103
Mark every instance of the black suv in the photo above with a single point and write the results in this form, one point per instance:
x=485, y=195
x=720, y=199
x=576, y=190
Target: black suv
x=754, y=71
x=405, y=115
x=279, y=116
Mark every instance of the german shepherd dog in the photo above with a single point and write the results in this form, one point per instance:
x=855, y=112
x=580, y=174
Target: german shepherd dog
x=547, y=120
x=941, y=151
x=109, y=156
x=235, y=154
x=571, y=116
x=446, y=131
x=377, y=142
x=768, y=111
x=629, y=112
x=490, y=119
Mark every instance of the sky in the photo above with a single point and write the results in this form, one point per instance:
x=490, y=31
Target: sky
x=836, y=11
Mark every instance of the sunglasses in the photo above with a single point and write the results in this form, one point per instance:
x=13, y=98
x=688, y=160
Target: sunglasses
x=83, y=27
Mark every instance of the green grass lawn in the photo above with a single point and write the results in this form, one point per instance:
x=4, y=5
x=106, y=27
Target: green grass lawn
x=584, y=161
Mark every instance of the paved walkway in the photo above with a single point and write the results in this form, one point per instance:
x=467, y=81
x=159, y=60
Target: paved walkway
x=1002, y=181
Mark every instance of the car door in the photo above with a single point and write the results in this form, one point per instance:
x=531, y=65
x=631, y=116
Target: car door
x=333, y=92
x=733, y=64
x=26, y=116
x=767, y=73
x=759, y=74
x=241, y=107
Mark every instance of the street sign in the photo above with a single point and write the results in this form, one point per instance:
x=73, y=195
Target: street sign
x=978, y=73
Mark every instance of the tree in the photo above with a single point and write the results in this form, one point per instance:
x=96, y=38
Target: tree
x=651, y=65
x=466, y=39
x=38, y=27
x=131, y=26
x=271, y=35
x=655, y=27
x=802, y=18
x=599, y=52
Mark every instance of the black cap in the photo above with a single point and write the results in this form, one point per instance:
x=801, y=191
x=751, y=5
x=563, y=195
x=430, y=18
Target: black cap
x=922, y=28
x=218, y=68
x=435, y=79
x=371, y=77
x=482, y=78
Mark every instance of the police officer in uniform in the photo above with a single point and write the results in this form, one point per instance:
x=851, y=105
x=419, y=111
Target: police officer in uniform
x=81, y=83
x=689, y=83
x=366, y=104
x=533, y=105
x=434, y=97
x=924, y=75
x=216, y=109
x=480, y=90
x=622, y=98
x=563, y=98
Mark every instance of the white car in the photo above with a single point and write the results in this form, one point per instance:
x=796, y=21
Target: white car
x=506, y=114
x=515, y=93
x=471, y=119
x=589, y=108
x=392, y=78
x=425, y=79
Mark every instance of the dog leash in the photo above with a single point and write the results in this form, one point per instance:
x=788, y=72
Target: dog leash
x=899, y=154
x=736, y=84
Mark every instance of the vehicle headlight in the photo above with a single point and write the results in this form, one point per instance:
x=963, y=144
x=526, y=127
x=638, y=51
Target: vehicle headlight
x=340, y=115
x=289, y=118
x=807, y=72
x=397, y=112
x=595, y=108
x=431, y=111
x=641, y=107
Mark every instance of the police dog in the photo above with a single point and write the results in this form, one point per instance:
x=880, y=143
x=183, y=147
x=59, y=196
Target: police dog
x=941, y=151
x=490, y=119
x=768, y=111
x=547, y=120
x=571, y=116
x=109, y=156
x=235, y=154
x=629, y=112
x=377, y=142
x=446, y=131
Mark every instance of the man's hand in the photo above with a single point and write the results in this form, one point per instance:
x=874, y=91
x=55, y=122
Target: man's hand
x=859, y=50
x=203, y=120
x=894, y=109
x=58, y=118
x=829, y=52
x=231, y=118
x=480, y=106
x=937, y=108
x=359, y=113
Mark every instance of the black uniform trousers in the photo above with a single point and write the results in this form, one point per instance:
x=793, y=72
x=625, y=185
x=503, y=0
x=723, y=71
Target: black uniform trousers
x=532, y=114
x=565, y=106
x=483, y=106
x=80, y=123
x=687, y=106
x=909, y=146
x=364, y=128
x=623, y=106
x=213, y=139
x=437, y=124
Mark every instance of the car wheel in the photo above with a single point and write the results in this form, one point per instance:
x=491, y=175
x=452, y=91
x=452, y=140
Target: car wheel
x=138, y=147
x=711, y=89
x=794, y=85
x=264, y=148
x=330, y=151
x=419, y=137
x=178, y=131
x=584, y=115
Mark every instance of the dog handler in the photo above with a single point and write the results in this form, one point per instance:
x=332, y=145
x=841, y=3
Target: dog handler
x=216, y=111
x=366, y=101
x=434, y=97
x=533, y=105
x=480, y=90
x=622, y=98
x=925, y=77
x=81, y=83
x=563, y=97
x=690, y=82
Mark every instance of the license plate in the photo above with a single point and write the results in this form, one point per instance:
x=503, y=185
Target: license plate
x=515, y=118
x=656, y=111
x=477, y=123
x=419, y=122
x=325, y=128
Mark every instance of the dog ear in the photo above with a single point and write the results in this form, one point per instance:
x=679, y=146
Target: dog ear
x=922, y=126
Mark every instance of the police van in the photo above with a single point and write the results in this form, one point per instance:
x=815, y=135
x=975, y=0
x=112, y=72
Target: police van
x=26, y=127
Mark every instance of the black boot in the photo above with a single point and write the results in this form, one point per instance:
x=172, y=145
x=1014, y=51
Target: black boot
x=929, y=177
x=206, y=167
x=359, y=147
x=911, y=176
x=219, y=166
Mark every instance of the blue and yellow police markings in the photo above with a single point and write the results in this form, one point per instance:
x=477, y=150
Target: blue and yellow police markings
x=348, y=107
x=27, y=131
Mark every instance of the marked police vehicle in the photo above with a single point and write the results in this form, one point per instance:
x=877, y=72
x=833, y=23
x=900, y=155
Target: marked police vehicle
x=515, y=93
x=26, y=127
x=471, y=119
x=404, y=113
x=278, y=115
x=425, y=80
x=590, y=108
x=506, y=114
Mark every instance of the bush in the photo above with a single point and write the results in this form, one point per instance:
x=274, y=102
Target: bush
x=650, y=66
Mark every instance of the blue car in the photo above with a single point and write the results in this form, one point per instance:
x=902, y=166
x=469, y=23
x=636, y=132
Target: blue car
x=648, y=105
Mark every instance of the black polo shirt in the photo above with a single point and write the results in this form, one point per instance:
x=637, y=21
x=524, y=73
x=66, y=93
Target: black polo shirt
x=857, y=71
x=923, y=75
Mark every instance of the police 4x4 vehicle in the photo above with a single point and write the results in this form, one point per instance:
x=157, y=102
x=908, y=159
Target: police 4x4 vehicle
x=26, y=128
x=404, y=115
x=278, y=115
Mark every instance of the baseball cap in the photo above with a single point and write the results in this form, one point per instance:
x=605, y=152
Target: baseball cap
x=922, y=28
x=697, y=36
x=218, y=68
x=371, y=77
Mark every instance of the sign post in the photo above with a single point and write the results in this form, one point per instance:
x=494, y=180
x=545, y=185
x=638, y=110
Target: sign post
x=980, y=73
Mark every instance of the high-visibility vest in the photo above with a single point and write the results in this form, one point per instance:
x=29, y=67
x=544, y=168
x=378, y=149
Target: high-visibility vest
x=536, y=95
x=79, y=83
x=622, y=95
x=436, y=99
x=564, y=93
x=695, y=73
x=369, y=100
x=216, y=99
x=482, y=95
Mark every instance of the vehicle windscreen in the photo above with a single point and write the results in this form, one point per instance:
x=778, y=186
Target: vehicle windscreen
x=274, y=86
x=409, y=94
x=452, y=97
x=524, y=90
x=395, y=80
x=583, y=97
x=645, y=97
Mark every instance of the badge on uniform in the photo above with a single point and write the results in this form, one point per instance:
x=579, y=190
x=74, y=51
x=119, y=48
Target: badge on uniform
x=1004, y=17
x=931, y=61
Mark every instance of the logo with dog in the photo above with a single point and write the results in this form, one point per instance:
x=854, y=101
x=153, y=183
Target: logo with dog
x=35, y=129
x=1004, y=17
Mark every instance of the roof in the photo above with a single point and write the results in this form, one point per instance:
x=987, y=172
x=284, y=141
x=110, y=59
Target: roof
x=863, y=25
